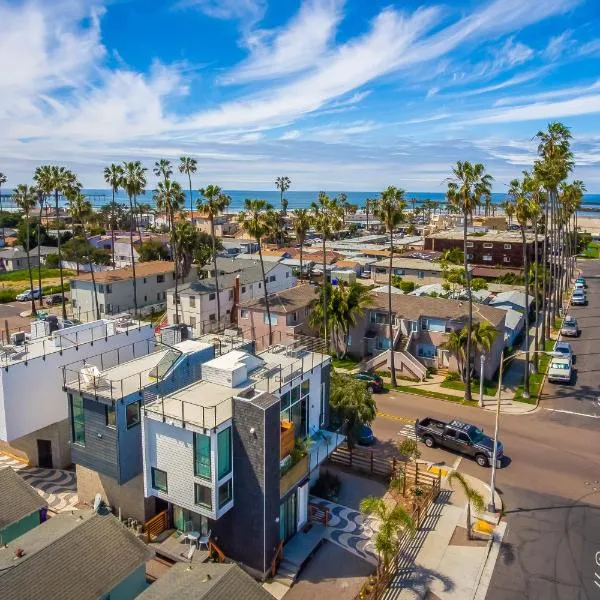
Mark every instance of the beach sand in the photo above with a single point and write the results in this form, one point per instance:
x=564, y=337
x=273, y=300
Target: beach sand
x=589, y=224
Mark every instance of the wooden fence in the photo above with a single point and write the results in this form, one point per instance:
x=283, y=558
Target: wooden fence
x=156, y=525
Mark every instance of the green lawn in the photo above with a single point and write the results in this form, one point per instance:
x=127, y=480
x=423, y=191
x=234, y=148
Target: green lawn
x=489, y=387
x=344, y=363
x=535, y=381
x=23, y=274
x=431, y=394
x=592, y=251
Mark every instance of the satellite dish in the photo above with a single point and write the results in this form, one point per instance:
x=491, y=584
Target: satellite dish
x=97, y=502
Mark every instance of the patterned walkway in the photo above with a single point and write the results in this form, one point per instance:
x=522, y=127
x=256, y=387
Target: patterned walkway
x=57, y=487
x=350, y=529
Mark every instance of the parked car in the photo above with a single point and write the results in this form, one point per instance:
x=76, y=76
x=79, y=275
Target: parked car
x=579, y=285
x=560, y=370
x=53, y=300
x=366, y=436
x=374, y=382
x=366, y=274
x=578, y=298
x=564, y=349
x=570, y=328
x=581, y=280
x=461, y=437
x=27, y=295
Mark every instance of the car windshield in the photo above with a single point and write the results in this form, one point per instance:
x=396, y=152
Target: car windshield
x=475, y=434
x=563, y=349
x=559, y=365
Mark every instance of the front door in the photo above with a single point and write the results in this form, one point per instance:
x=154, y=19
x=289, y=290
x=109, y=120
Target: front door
x=44, y=448
x=288, y=517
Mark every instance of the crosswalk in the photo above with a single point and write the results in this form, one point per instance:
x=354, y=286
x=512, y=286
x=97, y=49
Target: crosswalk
x=408, y=431
x=57, y=487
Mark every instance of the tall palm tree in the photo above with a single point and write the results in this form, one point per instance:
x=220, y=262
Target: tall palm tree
x=134, y=184
x=214, y=203
x=302, y=225
x=25, y=198
x=391, y=522
x=188, y=165
x=509, y=210
x=185, y=239
x=254, y=219
x=483, y=336
x=169, y=197
x=80, y=209
x=369, y=203
x=327, y=219
x=113, y=175
x=2, y=182
x=467, y=185
x=162, y=168
x=283, y=185
x=473, y=497
x=389, y=209
x=456, y=344
x=43, y=181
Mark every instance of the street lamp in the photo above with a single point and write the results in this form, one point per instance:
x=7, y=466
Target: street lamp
x=492, y=505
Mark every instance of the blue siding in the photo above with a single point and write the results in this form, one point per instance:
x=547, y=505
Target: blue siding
x=18, y=528
x=130, y=587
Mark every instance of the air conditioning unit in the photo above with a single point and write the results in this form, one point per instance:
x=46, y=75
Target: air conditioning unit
x=17, y=338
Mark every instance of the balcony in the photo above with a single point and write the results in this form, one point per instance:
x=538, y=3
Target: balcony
x=288, y=439
x=293, y=475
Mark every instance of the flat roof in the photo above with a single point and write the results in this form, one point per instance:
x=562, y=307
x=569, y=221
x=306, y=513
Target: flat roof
x=410, y=263
x=142, y=269
x=487, y=236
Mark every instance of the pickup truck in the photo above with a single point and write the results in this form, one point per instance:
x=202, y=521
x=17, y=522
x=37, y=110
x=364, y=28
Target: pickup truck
x=460, y=437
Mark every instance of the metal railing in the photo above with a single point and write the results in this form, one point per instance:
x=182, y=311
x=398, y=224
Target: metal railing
x=172, y=410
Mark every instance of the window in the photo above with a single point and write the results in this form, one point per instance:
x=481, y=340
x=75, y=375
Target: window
x=158, y=296
x=420, y=274
x=192, y=322
x=224, y=452
x=212, y=317
x=487, y=257
x=101, y=289
x=463, y=437
x=259, y=285
x=159, y=480
x=426, y=351
x=507, y=246
x=111, y=416
x=203, y=496
x=414, y=325
x=244, y=313
x=287, y=274
x=132, y=413
x=192, y=301
x=273, y=319
x=177, y=299
x=435, y=324
x=145, y=298
x=108, y=309
x=506, y=259
x=160, y=279
x=225, y=493
x=451, y=433
x=202, y=466
x=469, y=257
x=272, y=278
x=145, y=280
x=469, y=244
x=488, y=245
x=243, y=289
x=77, y=420
x=305, y=388
x=399, y=272
x=212, y=296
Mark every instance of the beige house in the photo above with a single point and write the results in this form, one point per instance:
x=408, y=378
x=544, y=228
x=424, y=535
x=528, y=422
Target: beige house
x=224, y=225
x=417, y=270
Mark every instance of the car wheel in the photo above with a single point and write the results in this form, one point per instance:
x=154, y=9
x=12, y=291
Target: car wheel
x=481, y=460
x=429, y=442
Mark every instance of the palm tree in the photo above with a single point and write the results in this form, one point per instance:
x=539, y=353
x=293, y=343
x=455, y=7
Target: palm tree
x=25, y=198
x=483, y=336
x=302, y=225
x=43, y=180
x=389, y=209
x=254, y=219
x=80, y=209
x=456, y=344
x=466, y=187
x=509, y=210
x=473, y=497
x=113, y=175
x=184, y=242
x=391, y=522
x=326, y=219
x=134, y=184
x=188, y=165
x=2, y=182
x=369, y=203
x=169, y=196
x=214, y=203
x=283, y=185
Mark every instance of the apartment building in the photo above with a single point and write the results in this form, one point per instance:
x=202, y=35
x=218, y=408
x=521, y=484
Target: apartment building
x=219, y=453
x=115, y=289
x=33, y=412
x=105, y=407
x=223, y=224
x=197, y=306
x=488, y=247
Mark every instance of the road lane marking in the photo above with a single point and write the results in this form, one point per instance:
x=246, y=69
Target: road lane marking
x=570, y=412
x=395, y=417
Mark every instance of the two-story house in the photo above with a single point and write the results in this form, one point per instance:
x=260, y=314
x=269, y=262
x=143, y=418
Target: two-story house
x=105, y=406
x=221, y=454
x=421, y=325
x=421, y=271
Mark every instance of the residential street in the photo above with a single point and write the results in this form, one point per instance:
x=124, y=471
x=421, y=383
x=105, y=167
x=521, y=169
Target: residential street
x=551, y=484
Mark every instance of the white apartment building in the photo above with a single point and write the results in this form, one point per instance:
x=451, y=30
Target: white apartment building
x=198, y=300
x=33, y=406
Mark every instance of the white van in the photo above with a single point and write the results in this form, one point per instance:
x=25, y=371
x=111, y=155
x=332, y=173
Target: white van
x=560, y=370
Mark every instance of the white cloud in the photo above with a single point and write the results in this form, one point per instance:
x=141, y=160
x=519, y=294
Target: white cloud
x=550, y=94
x=293, y=48
x=512, y=81
x=511, y=54
x=228, y=9
x=290, y=135
x=557, y=46
x=591, y=48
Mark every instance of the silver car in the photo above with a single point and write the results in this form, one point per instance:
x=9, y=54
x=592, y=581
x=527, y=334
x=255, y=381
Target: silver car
x=569, y=328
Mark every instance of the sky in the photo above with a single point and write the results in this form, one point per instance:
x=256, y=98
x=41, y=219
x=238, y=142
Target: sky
x=340, y=95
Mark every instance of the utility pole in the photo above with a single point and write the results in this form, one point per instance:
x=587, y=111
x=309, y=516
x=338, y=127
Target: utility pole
x=482, y=365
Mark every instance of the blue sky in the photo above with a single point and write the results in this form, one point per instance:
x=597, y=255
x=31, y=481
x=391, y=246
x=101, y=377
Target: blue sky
x=353, y=95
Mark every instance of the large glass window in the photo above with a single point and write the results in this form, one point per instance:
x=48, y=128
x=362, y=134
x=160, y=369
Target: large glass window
x=159, y=480
x=77, y=420
x=293, y=407
x=202, y=456
x=224, y=450
x=225, y=493
x=203, y=495
x=132, y=412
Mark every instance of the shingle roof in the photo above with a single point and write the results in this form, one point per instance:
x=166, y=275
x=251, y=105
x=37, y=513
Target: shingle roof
x=413, y=307
x=142, y=269
x=285, y=301
x=235, y=265
x=513, y=297
x=79, y=556
x=19, y=252
x=206, y=581
x=17, y=498
x=252, y=274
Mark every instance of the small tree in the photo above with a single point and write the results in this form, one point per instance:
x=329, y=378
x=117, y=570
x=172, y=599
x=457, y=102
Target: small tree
x=153, y=250
x=473, y=497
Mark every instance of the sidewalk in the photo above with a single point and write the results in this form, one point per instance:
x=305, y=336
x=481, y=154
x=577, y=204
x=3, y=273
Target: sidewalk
x=441, y=563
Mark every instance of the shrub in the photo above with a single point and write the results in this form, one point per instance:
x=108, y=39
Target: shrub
x=52, y=261
x=327, y=486
x=453, y=377
x=407, y=286
x=7, y=296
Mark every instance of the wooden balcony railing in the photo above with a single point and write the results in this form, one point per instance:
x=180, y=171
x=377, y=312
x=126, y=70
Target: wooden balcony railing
x=295, y=474
x=156, y=525
x=287, y=439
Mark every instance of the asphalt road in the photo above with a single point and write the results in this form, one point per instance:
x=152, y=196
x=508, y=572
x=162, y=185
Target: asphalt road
x=550, y=484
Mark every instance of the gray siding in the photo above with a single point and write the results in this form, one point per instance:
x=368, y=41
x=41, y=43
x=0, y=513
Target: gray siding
x=325, y=379
x=129, y=445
